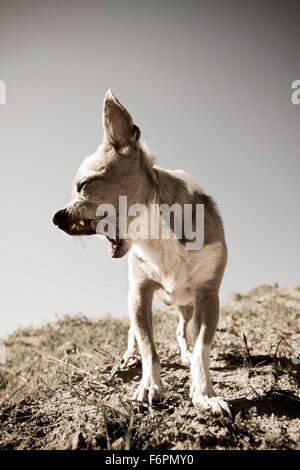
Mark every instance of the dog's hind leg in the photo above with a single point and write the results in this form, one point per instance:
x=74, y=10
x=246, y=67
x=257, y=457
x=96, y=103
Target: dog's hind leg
x=185, y=314
x=130, y=347
x=140, y=305
x=206, y=317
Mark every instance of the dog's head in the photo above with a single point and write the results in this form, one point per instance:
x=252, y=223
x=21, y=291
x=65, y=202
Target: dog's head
x=116, y=169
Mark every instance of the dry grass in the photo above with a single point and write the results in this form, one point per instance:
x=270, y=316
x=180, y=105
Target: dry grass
x=60, y=388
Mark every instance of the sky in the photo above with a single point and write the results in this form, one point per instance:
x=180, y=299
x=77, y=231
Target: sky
x=209, y=85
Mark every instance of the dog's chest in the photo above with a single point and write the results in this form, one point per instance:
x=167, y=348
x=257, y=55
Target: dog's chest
x=169, y=264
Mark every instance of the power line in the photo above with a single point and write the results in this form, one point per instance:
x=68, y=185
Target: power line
x=66, y=260
x=56, y=269
x=61, y=283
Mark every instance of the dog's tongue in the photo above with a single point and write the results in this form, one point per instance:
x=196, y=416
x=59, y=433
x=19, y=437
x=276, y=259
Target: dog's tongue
x=115, y=244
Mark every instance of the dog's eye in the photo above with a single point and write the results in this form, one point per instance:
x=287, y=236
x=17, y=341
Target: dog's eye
x=81, y=185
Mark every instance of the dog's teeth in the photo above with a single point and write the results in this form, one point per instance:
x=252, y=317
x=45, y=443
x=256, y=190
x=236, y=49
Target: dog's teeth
x=81, y=222
x=73, y=226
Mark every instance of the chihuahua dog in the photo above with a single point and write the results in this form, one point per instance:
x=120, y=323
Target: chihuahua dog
x=162, y=266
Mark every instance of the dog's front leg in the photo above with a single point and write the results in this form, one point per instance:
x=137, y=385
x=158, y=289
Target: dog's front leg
x=206, y=317
x=140, y=308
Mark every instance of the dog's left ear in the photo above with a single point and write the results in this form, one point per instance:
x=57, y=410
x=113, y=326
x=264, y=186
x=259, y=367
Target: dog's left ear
x=119, y=129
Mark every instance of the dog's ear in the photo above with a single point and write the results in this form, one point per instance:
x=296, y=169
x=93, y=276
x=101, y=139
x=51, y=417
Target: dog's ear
x=119, y=129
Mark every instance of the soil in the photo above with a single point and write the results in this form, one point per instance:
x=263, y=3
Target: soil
x=62, y=387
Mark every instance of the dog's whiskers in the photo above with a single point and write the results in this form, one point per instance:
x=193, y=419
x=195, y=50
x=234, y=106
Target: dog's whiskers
x=81, y=241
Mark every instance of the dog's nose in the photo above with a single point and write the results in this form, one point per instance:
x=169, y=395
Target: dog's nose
x=59, y=217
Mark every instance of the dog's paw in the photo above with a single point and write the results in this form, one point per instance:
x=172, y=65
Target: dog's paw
x=214, y=404
x=125, y=358
x=151, y=394
x=129, y=361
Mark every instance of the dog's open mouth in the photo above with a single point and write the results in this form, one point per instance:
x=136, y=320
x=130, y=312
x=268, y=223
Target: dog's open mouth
x=90, y=227
x=115, y=246
x=82, y=227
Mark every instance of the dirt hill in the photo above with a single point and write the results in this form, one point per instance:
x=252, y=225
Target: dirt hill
x=61, y=387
